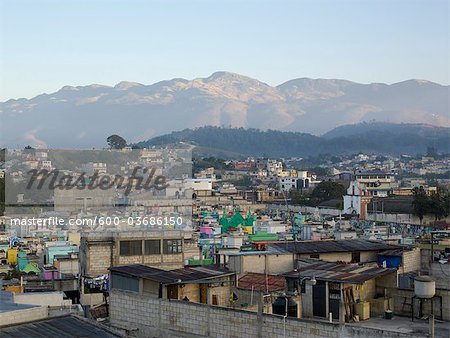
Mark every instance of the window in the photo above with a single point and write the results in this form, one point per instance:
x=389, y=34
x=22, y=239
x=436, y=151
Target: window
x=356, y=257
x=124, y=283
x=173, y=246
x=131, y=248
x=152, y=247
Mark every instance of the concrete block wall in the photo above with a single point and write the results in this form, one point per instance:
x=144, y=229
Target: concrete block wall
x=98, y=259
x=403, y=218
x=91, y=299
x=24, y=315
x=152, y=259
x=127, y=260
x=272, y=264
x=69, y=266
x=151, y=317
x=222, y=293
x=42, y=298
x=411, y=261
x=400, y=295
x=173, y=258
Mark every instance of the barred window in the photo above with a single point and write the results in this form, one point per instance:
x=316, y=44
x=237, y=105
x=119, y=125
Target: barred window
x=131, y=248
x=152, y=247
x=172, y=246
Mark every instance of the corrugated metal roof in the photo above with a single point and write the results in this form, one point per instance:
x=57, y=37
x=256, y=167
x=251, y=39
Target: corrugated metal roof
x=327, y=246
x=69, y=326
x=334, y=272
x=261, y=282
x=166, y=277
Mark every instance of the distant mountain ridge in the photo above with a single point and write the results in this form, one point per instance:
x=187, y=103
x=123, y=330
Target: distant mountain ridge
x=374, y=138
x=84, y=116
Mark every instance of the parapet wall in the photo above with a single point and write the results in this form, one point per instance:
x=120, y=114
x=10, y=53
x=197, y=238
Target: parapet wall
x=152, y=317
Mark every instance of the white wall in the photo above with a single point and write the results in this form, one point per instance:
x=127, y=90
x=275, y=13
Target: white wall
x=24, y=315
x=42, y=298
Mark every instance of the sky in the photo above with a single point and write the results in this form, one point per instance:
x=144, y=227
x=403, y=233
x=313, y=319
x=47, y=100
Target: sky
x=47, y=44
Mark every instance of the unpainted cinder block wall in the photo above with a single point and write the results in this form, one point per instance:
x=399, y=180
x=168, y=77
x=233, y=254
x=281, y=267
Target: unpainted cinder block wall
x=150, y=317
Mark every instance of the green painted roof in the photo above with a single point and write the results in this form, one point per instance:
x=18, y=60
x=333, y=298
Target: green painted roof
x=250, y=219
x=236, y=220
x=261, y=236
x=224, y=220
x=31, y=267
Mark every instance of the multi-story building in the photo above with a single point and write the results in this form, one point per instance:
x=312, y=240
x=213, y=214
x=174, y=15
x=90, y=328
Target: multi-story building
x=376, y=183
x=93, y=167
x=301, y=180
x=162, y=249
x=274, y=166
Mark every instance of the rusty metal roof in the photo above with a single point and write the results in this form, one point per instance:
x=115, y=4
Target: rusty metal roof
x=342, y=273
x=182, y=275
x=261, y=282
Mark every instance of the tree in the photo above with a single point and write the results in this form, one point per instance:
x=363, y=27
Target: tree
x=116, y=142
x=439, y=205
x=327, y=190
x=421, y=203
x=298, y=198
x=29, y=150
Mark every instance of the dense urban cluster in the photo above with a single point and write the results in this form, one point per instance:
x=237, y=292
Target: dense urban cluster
x=286, y=244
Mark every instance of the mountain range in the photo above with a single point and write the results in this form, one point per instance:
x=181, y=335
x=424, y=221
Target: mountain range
x=84, y=116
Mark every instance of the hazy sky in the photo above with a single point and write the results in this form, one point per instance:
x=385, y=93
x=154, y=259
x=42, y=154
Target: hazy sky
x=45, y=45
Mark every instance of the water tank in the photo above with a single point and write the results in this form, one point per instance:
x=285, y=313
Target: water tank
x=424, y=287
x=279, y=306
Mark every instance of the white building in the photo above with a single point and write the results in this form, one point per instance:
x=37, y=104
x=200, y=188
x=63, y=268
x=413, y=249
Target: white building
x=302, y=180
x=274, y=167
x=46, y=164
x=287, y=183
x=41, y=155
x=376, y=183
x=352, y=200
x=271, y=226
x=199, y=184
x=94, y=167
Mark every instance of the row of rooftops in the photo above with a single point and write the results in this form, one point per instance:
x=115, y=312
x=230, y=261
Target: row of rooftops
x=180, y=276
x=327, y=271
x=338, y=272
x=323, y=246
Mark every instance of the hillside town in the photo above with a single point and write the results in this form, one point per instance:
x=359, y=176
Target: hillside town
x=258, y=247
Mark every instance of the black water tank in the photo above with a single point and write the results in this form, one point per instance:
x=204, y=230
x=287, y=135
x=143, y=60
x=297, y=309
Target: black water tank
x=279, y=306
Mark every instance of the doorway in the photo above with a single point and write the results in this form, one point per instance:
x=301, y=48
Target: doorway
x=319, y=299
